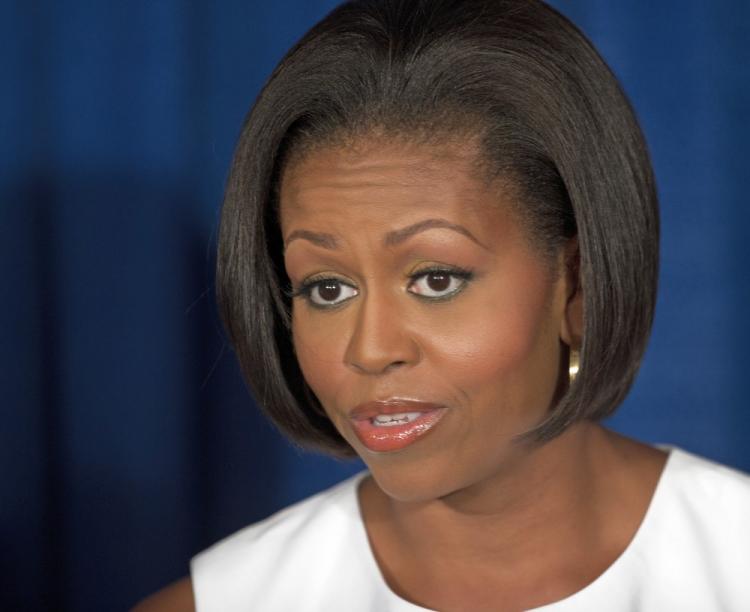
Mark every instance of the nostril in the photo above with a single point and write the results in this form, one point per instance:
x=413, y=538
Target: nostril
x=378, y=342
x=378, y=364
x=374, y=368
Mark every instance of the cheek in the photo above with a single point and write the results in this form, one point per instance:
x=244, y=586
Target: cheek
x=320, y=347
x=498, y=346
x=501, y=345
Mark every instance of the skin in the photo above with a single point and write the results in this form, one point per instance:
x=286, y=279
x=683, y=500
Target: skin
x=177, y=597
x=467, y=518
x=491, y=353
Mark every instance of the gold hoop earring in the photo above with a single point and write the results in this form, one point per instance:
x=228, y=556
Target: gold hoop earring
x=574, y=364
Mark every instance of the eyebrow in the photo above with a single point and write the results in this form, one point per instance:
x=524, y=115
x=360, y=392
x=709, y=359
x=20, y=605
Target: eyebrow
x=391, y=239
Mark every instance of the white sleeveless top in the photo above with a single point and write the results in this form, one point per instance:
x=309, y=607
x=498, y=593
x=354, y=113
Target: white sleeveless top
x=690, y=553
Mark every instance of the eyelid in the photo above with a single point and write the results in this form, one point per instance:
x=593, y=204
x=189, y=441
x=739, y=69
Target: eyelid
x=464, y=274
x=308, y=285
x=452, y=270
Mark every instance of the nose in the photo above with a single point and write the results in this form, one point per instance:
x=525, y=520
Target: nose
x=380, y=340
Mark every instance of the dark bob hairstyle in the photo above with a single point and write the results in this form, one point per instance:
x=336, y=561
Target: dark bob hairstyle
x=551, y=119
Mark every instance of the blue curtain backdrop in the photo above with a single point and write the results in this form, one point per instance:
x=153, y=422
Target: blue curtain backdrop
x=128, y=439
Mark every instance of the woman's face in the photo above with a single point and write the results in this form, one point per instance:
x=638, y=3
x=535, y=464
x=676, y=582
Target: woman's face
x=419, y=290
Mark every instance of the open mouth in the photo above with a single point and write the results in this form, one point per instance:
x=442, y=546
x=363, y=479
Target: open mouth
x=387, y=432
x=400, y=418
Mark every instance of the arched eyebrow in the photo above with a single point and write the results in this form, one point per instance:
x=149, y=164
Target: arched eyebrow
x=391, y=239
x=321, y=239
x=398, y=236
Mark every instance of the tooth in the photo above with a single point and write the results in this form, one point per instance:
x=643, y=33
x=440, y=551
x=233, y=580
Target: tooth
x=399, y=418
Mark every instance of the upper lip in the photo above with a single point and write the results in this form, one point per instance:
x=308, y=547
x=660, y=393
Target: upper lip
x=369, y=410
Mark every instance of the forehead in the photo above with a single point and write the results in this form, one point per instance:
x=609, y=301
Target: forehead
x=372, y=179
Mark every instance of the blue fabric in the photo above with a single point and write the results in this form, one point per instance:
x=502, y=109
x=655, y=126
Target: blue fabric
x=129, y=441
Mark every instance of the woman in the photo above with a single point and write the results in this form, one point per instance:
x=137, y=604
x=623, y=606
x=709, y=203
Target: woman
x=439, y=251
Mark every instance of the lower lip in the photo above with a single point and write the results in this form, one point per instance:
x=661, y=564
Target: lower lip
x=388, y=438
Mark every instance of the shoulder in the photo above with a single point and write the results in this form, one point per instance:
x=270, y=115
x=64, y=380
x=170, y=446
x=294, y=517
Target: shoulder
x=697, y=531
x=177, y=597
x=292, y=526
x=706, y=485
x=709, y=500
x=299, y=544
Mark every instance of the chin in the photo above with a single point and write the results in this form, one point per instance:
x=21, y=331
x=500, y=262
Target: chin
x=409, y=492
x=412, y=481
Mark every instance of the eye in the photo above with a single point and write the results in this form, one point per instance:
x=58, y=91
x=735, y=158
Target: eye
x=326, y=292
x=437, y=283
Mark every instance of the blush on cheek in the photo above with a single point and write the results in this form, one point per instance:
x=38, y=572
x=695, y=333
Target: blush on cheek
x=497, y=334
x=488, y=355
x=502, y=349
x=319, y=353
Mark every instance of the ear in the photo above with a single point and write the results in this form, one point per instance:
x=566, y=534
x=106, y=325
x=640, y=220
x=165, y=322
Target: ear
x=571, y=325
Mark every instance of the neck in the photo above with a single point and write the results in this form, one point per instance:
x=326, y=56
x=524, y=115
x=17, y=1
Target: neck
x=514, y=513
x=574, y=502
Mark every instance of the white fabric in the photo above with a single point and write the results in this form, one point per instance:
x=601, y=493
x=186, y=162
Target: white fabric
x=691, y=553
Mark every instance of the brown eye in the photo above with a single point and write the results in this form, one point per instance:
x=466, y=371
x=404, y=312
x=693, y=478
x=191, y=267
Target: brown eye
x=438, y=281
x=328, y=292
x=438, y=284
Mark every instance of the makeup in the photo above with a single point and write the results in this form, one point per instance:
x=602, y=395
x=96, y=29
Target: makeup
x=394, y=424
x=456, y=341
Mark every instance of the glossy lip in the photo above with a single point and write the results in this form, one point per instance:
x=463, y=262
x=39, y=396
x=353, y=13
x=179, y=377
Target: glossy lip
x=394, y=437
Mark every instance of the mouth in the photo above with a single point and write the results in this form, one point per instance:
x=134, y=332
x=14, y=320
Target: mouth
x=390, y=425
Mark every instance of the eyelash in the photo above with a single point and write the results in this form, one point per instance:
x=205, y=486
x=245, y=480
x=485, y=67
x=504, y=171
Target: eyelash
x=463, y=274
